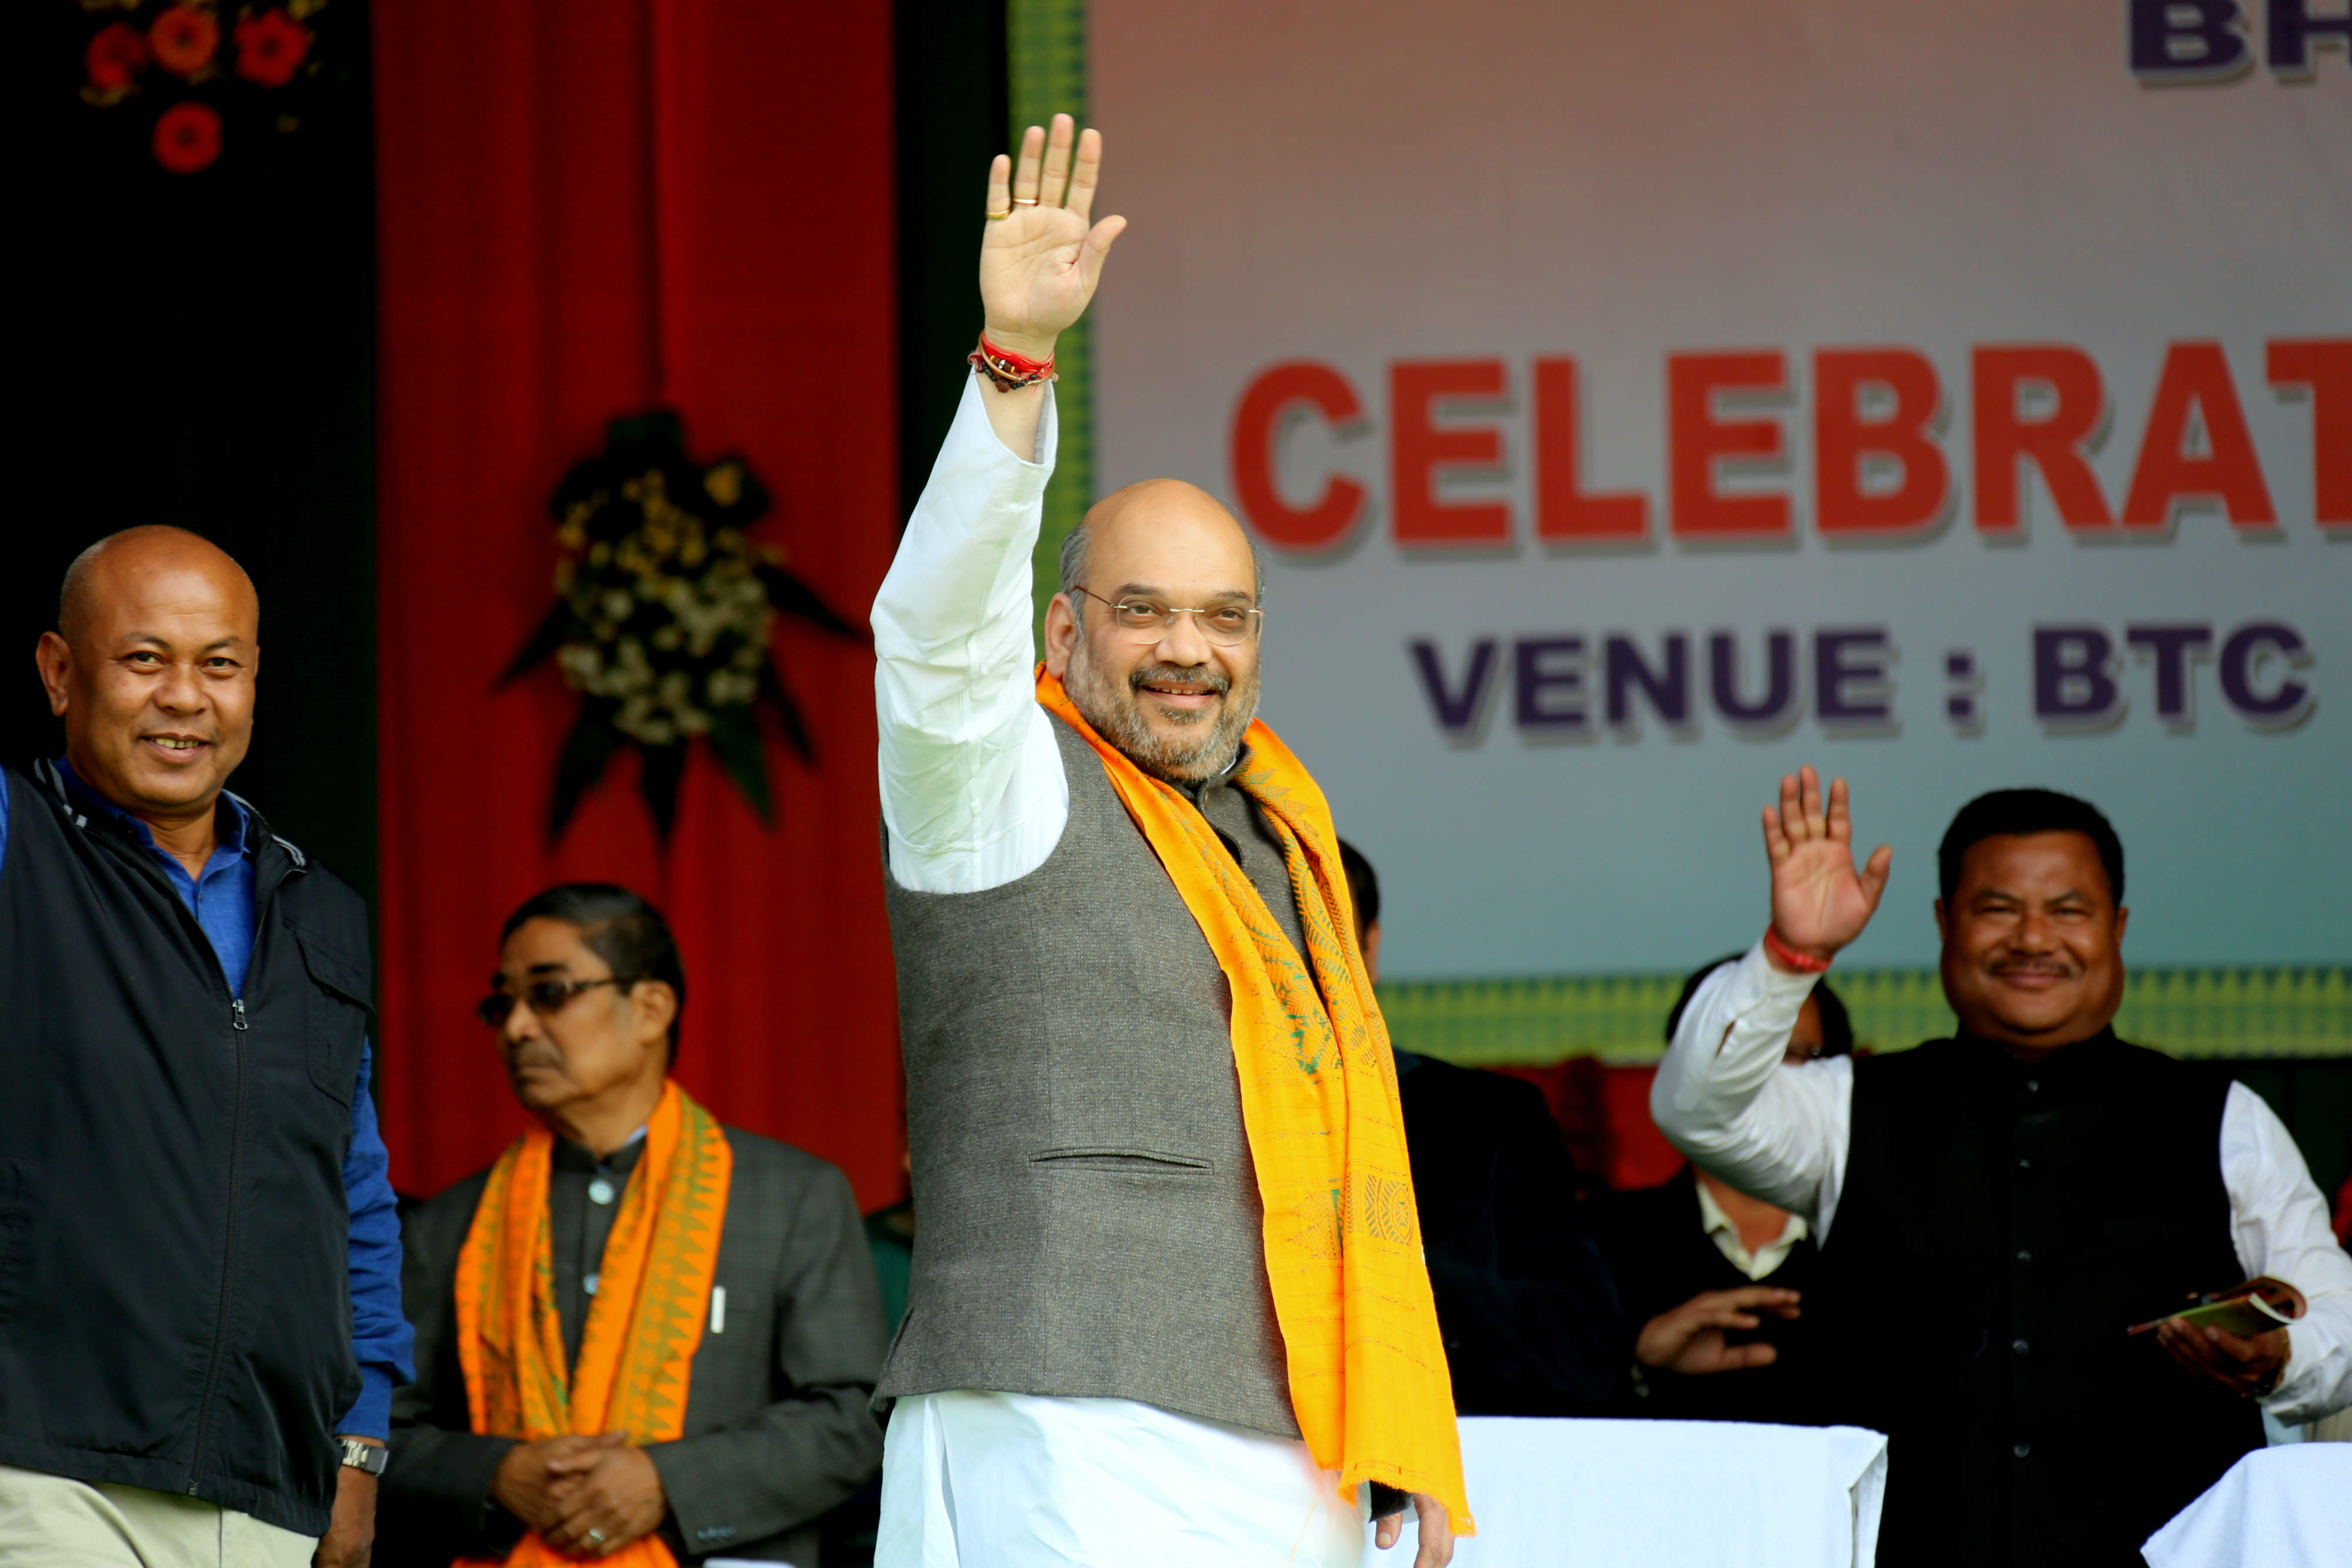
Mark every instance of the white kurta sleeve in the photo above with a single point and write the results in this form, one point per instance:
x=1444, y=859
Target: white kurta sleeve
x=973, y=795
x=1722, y=1098
x=2279, y=1221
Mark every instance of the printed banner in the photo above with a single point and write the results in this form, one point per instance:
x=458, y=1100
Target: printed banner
x=1634, y=402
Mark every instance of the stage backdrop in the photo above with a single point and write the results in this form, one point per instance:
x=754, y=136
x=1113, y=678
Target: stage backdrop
x=1636, y=401
x=587, y=209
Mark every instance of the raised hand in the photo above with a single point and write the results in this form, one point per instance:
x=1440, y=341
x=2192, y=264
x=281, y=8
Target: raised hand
x=1039, y=262
x=1820, y=902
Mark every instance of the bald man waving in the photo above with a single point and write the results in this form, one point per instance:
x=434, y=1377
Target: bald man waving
x=1168, y=1303
x=200, y=1321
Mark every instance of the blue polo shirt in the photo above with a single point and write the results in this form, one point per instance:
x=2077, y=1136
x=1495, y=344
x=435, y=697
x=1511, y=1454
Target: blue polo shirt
x=222, y=902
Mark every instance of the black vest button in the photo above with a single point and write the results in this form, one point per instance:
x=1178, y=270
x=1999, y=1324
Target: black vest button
x=2034, y=1086
x=2020, y=1449
x=2023, y=1164
x=2019, y=1347
x=2025, y=1255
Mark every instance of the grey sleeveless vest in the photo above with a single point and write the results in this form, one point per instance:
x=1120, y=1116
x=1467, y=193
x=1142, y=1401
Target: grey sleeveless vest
x=1088, y=1215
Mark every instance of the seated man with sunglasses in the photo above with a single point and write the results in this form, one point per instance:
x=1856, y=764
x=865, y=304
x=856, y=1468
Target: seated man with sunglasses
x=641, y=1335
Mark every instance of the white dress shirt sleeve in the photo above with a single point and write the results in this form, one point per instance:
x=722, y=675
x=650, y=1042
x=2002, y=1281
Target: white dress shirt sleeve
x=1722, y=1097
x=973, y=795
x=2279, y=1221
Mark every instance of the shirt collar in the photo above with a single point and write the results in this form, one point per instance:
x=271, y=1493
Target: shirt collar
x=231, y=833
x=1715, y=1222
x=571, y=1157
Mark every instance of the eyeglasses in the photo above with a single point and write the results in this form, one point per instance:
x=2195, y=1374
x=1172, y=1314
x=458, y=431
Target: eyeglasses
x=546, y=998
x=1224, y=624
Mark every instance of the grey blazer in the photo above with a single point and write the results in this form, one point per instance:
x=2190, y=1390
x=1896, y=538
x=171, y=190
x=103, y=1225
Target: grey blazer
x=777, y=1429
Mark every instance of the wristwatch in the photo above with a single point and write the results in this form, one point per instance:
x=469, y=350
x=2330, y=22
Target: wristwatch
x=372, y=1458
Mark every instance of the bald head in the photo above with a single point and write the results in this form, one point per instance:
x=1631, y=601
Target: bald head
x=1153, y=505
x=152, y=667
x=1171, y=678
x=101, y=574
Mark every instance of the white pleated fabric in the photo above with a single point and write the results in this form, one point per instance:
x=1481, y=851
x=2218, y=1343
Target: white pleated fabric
x=975, y=1480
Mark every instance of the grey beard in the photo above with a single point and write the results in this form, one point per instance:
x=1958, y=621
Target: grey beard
x=1114, y=709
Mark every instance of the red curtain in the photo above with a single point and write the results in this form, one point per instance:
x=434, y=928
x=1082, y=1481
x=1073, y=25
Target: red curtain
x=587, y=208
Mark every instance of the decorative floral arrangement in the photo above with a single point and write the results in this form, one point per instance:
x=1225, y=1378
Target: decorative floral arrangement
x=663, y=618
x=174, y=54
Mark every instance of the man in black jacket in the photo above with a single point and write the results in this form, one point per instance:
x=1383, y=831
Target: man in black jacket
x=199, y=1281
x=774, y=1428
x=1524, y=1300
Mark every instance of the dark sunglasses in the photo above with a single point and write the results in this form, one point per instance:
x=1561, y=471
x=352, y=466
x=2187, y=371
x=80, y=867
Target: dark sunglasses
x=546, y=998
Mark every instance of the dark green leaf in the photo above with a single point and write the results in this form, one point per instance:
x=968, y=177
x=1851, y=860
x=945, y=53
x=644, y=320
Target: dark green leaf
x=553, y=633
x=658, y=781
x=735, y=736
x=791, y=596
x=779, y=701
x=586, y=750
x=651, y=433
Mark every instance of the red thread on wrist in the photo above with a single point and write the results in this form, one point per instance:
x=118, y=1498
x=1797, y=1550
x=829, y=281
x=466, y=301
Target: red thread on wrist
x=1790, y=956
x=1040, y=369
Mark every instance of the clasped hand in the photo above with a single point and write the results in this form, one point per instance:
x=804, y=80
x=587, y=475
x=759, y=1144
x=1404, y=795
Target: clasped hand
x=569, y=1488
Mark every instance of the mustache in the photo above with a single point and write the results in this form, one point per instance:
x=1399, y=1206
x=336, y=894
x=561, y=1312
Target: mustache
x=1204, y=675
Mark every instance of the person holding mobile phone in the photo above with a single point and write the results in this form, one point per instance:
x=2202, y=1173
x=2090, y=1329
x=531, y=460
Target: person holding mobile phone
x=1995, y=1210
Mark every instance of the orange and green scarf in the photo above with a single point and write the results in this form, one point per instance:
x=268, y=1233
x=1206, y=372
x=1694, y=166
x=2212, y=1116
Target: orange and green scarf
x=1368, y=1376
x=645, y=1322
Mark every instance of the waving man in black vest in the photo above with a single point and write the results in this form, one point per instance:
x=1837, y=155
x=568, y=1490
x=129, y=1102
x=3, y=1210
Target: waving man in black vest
x=1997, y=1210
x=200, y=1321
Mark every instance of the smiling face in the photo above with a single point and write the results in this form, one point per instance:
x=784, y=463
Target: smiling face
x=2033, y=941
x=153, y=669
x=1173, y=701
x=601, y=1043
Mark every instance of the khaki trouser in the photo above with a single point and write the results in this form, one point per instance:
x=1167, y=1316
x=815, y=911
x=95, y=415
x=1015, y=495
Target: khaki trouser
x=51, y=1522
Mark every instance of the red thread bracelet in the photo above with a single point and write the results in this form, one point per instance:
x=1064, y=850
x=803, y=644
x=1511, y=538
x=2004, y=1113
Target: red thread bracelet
x=1015, y=361
x=1009, y=371
x=1790, y=956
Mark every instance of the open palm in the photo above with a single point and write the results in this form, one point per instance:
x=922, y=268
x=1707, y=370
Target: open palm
x=1039, y=264
x=1819, y=901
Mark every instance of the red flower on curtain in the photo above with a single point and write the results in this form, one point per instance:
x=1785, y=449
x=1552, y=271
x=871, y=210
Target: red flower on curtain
x=210, y=75
x=270, y=47
x=115, y=57
x=184, y=40
x=187, y=137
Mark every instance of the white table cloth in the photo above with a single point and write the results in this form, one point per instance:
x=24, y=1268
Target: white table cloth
x=1665, y=1494
x=2288, y=1507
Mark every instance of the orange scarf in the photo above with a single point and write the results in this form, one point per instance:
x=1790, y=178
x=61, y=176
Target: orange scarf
x=1368, y=1376
x=645, y=1322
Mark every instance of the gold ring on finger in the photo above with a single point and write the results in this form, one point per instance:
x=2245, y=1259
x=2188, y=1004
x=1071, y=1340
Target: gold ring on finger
x=1024, y=201
x=997, y=217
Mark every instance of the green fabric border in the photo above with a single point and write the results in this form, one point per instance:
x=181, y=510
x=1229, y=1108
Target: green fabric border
x=2226, y=1013
x=1046, y=50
